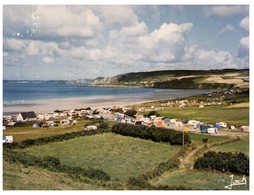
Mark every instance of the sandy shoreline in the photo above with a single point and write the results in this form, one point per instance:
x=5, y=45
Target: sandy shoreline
x=45, y=106
x=49, y=105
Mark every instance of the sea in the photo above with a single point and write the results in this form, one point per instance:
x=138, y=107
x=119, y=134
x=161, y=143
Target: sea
x=29, y=91
x=17, y=93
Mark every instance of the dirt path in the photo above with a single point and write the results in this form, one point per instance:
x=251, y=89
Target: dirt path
x=187, y=163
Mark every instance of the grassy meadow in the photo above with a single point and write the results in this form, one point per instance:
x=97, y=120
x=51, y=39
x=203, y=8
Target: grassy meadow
x=197, y=138
x=239, y=146
x=213, y=114
x=19, y=177
x=119, y=156
x=27, y=132
x=199, y=180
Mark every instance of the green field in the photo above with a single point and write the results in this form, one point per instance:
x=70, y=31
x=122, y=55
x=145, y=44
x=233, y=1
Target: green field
x=24, y=133
x=239, y=146
x=200, y=180
x=234, y=116
x=197, y=138
x=19, y=177
x=119, y=156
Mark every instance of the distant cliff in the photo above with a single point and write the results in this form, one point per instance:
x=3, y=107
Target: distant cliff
x=179, y=79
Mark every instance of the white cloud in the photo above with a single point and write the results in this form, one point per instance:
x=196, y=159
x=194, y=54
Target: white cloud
x=55, y=23
x=197, y=58
x=165, y=44
x=47, y=60
x=245, y=23
x=33, y=48
x=136, y=29
x=16, y=17
x=62, y=21
x=91, y=41
x=244, y=47
x=14, y=44
x=225, y=10
x=227, y=28
x=116, y=14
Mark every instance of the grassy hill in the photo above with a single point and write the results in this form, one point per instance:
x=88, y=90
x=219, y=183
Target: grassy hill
x=21, y=177
x=179, y=79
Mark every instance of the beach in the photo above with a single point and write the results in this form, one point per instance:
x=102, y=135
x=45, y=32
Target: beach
x=46, y=106
x=100, y=101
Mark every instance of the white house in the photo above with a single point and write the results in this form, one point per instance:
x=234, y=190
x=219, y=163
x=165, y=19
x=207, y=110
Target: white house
x=26, y=116
x=8, y=139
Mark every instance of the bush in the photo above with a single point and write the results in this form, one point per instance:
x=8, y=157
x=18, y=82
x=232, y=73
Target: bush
x=133, y=181
x=50, y=161
x=237, y=163
x=160, y=169
x=153, y=133
x=120, y=110
x=104, y=125
x=131, y=113
x=152, y=113
x=24, y=124
x=139, y=184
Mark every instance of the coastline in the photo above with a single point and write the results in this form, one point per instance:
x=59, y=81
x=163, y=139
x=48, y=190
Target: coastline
x=49, y=105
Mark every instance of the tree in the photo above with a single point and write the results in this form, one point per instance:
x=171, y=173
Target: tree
x=131, y=112
x=152, y=113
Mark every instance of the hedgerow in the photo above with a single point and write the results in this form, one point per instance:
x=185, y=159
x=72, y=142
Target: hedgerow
x=54, y=164
x=153, y=133
x=237, y=163
x=62, y=137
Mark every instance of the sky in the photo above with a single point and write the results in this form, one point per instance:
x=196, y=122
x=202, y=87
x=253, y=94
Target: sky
x=84, y=42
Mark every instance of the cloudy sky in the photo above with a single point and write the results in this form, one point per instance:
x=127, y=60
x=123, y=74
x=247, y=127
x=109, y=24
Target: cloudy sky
x=77, y=42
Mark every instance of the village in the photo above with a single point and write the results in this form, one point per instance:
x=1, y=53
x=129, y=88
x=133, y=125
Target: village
x=119, y=115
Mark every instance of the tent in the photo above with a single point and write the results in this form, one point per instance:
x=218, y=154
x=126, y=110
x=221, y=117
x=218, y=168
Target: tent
x=203, y=128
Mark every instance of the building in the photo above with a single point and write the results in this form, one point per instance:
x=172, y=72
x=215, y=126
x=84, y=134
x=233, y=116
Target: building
x=212, y=130
x=26, y=116
x=245, y=128
x=8, y=139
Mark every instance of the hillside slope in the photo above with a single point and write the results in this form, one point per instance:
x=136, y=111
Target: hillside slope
x=180, y=79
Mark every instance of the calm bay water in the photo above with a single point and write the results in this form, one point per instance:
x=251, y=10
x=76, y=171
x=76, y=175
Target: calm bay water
x=23, y=92
x=28, y=91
